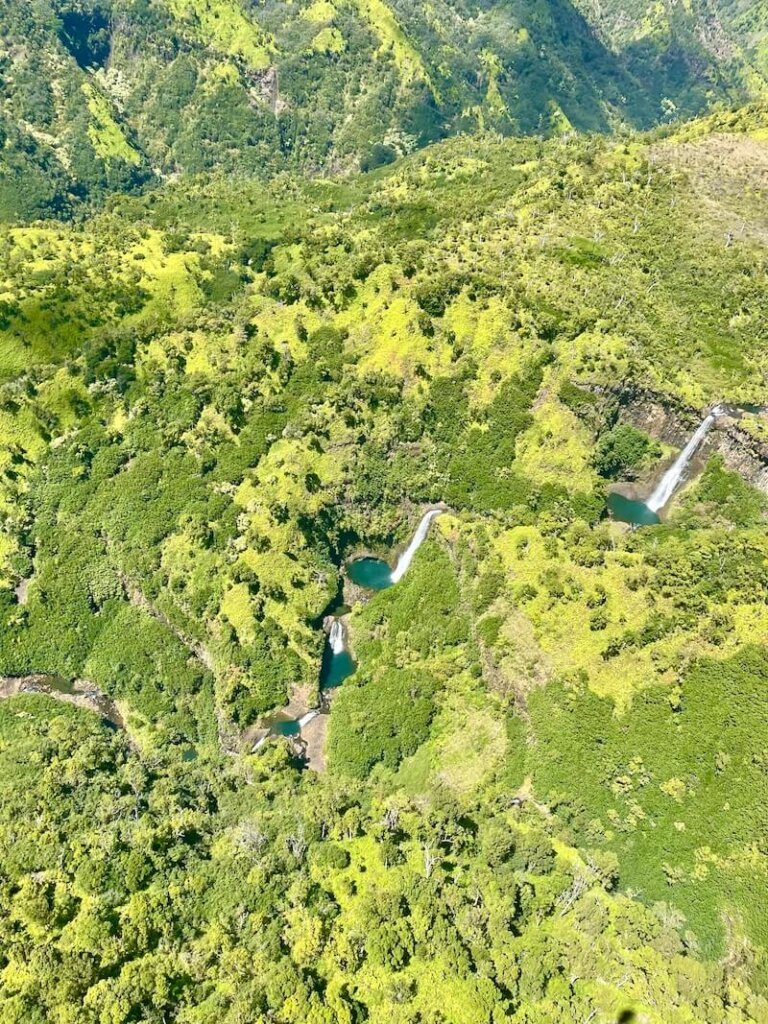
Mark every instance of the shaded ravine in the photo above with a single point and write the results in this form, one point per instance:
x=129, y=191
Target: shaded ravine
x=138, y=600
x=229, y=737
x=336, y=666
x=337, y=662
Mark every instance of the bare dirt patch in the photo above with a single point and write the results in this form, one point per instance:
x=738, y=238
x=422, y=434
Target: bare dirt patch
x=729, y=177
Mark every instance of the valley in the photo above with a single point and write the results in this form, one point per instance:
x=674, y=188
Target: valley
x=383, y=505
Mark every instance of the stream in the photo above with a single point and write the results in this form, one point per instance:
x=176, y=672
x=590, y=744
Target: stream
x=80, y=693
x=337, y=663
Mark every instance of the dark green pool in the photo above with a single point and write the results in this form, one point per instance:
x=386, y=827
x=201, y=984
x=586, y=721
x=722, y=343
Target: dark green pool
x=283, y=726
x=627, y=510
x=335, y=669
x=371, y=573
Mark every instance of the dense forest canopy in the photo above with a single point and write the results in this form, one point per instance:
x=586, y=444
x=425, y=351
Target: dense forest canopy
x=229, y=364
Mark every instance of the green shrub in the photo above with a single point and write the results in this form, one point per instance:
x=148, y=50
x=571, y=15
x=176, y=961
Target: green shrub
x=622, y=450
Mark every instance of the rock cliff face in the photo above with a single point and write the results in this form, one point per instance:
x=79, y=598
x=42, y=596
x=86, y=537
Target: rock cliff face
x=674, y=424
x=742, y=453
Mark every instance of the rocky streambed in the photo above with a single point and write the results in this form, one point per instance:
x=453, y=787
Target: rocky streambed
x=80, y=693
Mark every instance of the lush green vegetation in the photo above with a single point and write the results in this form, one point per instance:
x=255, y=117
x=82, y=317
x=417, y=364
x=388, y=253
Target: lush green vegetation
x=622, y=451
x=722, y=497
x=544, y=789
x=200, y=892
x=671, y=781
x=673, y=786
x=411, y=632
x=101, y=96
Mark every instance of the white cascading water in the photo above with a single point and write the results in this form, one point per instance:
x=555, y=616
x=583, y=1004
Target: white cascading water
x=419, y=537
x=671, y=479
x=336, y=637
x=309, y=717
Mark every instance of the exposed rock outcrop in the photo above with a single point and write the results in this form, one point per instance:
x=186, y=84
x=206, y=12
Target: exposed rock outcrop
x=667, y=421
x=81, y=693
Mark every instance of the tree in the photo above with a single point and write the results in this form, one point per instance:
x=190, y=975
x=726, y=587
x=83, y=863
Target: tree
x=621, y=451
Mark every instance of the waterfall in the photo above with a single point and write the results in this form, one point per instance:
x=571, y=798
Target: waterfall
x=419, y=537
x=671, y=479
x=336, y=637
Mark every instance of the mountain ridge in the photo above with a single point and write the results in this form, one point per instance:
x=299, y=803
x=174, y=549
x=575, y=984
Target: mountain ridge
x=136, y=91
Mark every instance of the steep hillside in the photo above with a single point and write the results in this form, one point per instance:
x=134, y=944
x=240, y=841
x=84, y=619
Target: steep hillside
x=215, y=393
x=431, y=332
x=103, y=95
x=199, y=891
x=691, y=50
x=334, y=686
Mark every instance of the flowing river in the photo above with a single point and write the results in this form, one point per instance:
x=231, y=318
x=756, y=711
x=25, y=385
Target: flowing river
x=79, y=693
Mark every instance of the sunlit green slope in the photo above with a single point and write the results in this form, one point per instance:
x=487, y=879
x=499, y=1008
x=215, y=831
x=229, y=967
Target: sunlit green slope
x=104, y=95
x=257, y=395
x=546, y=783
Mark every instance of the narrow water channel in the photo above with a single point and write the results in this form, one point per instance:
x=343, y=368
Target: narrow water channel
x=79, y=693
x=337, y=663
